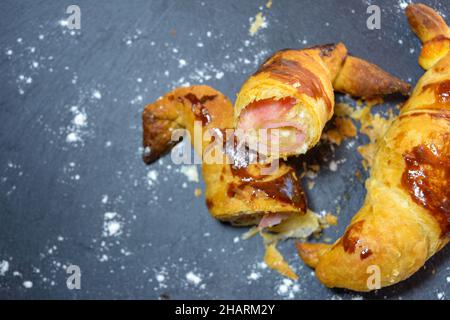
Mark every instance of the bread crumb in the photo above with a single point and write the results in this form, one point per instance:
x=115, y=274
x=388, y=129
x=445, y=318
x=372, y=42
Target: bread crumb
x=331, y=219
x=198, y=192
x=258, y=22
x=274, y=259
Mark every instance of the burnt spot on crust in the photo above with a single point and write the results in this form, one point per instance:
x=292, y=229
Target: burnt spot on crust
x=426, y=178
x=325, y=50
x=286, y=188
x=441, y=91
x=209, y=204
x=365, y=253
x=198, y=107
x=351, y=240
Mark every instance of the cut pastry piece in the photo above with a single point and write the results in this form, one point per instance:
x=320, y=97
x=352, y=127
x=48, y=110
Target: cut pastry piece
x=405, y=218
x=237, y=191
x=291, y=96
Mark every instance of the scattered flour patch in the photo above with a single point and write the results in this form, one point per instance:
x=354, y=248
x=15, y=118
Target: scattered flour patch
x=181, y=63
x=193, y=278
x=28, y=284
x=219, y=75
x=190, y=171
x=333, y=166
x=287, y=289
x=161, y=277
x=79, y=122
x=96, y=94
x=253, y=276
x=112, y=227
x=63, y=23
x=105, y=199
x=152, y=177
x=4, y=267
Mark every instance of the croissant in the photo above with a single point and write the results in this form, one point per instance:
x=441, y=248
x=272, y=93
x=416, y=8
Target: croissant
x=405, y=218
x=293, y=92
x=240, y=193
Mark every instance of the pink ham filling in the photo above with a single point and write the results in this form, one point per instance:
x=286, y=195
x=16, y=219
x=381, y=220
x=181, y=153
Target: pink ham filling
x=270, y=220
x=272, y=114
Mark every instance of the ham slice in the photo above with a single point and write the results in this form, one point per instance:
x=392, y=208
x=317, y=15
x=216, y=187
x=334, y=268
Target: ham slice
x=270, y=220
x=261, y=112
x=272, y=114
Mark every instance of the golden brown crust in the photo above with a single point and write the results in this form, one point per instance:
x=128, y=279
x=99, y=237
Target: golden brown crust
x=404, y=219
x=432, y=30
x=311, y=252
x=240, y=195
x=333, y=56
x=426, y=23
x=360, y=78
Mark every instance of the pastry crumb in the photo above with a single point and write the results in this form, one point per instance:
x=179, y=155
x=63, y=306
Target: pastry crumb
x=259, y=22
x=198, y=192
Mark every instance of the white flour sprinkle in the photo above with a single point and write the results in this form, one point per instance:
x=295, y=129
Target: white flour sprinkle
x=333, y=165
x=254, y=276
x=79, y=122
x=287, y=289
x=441, y=295
x=219, y=75
x=96, y=94
x=192, y=278
x=182, y=63
x=73, y=137
x=190, y=171
x=80, y=119
x=4, y=267
x=111, y=226
x=160, y=277
x=152, y=177
x=28, y=284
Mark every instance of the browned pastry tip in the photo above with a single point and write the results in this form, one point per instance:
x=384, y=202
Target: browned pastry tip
x=310, y=253
x=158, y=122
x=425, y=22
x=178, y=110
x=360, y=78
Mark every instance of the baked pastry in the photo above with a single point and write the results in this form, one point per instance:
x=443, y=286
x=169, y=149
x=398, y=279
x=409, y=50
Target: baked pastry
x=237, y=190
x=293, y=92
x=405, y=218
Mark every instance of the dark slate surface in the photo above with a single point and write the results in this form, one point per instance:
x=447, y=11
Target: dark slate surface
x=54, y=193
